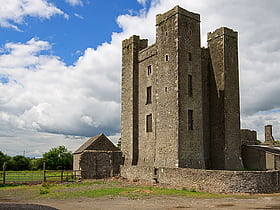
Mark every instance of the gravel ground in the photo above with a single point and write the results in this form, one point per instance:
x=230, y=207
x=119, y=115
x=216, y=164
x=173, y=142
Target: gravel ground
x=153, y=202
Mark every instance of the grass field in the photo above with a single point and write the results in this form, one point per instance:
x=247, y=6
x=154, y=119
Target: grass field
x=98, y=189
x=34, y=176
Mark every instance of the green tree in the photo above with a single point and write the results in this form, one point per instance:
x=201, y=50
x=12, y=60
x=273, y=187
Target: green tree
x=3, y=158
x=58, y=158
x=119, y=144
x=18, y=163
x=36, y=164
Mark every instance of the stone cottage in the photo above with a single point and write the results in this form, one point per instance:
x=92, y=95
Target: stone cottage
x=97, y=158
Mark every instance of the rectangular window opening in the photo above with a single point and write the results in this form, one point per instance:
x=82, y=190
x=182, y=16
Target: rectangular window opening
x=149, y=95
x=190, y=119
x=149, y=69
x=190, y=89
x=166, y=58
x=190, y=56
x=149, y=123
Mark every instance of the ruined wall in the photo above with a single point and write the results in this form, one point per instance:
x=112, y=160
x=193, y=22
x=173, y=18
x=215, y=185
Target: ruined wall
x=268, y=135
x=248, y=137
x=218, y=181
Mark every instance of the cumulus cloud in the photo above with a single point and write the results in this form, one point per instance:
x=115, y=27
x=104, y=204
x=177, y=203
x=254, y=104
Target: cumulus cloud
x=42, y=96
x=49, y=96
x=13, y=12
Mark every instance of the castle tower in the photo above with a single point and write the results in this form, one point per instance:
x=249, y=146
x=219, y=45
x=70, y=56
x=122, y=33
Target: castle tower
x=129, y=114
x=179, y=108
x=180, y=103
x=224, y=100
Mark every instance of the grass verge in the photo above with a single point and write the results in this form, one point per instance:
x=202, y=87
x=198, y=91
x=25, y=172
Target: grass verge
x=100, y=189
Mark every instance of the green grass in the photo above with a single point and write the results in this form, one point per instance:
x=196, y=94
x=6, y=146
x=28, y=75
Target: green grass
x=34, y=176
x=100, y=189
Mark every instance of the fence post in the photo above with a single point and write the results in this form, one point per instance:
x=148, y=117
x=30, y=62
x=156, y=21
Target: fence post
x=4, y=173
x=61, y=176
x=44, y=171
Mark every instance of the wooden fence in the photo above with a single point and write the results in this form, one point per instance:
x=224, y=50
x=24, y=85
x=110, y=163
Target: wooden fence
x=38, y=176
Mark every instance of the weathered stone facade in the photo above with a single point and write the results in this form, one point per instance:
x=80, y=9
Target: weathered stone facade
x=97, y=158
x=180, y=102
x=248, y=137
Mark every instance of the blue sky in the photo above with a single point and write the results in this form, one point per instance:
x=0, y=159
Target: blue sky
x=60, y=65
x=88, y=25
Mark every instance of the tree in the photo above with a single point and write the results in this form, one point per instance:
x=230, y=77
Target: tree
x=58, y=158
x=18, y=163
x=36, y=164
x=119, y=144
x=3, y=159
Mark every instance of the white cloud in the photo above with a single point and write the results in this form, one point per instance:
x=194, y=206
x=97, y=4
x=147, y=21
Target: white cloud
x=143, y=2
x=13, y=12
x=78, y=16
x=45, y=97
x=74, y=2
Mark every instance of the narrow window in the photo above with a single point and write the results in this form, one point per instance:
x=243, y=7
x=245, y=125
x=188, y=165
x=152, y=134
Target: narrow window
x=190, y=89
x=190, y=119
x=149, y=69
x=149, y=123
x=190, y=56
x=166, y=58
x=149, y=95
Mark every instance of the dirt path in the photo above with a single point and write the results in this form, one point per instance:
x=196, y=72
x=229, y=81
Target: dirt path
x=159, y=202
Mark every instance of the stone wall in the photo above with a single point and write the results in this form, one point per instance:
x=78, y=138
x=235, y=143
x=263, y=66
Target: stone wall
x=248, y=137
x=224, y=100
x=100, y=164
x=217, y=181
x=253, y=158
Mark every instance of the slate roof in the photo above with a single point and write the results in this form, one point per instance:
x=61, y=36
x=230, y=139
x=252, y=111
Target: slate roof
x=274, y=150
x=99, y=142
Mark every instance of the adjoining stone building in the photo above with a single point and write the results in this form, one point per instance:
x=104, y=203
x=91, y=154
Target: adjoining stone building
x=265, y=156
x=181, y=110
x=97, y=158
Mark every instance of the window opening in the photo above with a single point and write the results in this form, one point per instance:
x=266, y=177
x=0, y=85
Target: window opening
x=190, y=119
x=149, y=95
x=149, y=123
x=149, y=69
x=166, y=58
x=190, y=89
x=190, y=56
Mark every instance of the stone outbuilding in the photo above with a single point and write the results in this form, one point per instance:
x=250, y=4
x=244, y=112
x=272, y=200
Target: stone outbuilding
x=97, y=158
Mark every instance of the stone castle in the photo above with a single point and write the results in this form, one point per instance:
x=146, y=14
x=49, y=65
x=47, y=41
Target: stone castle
x=181, y=114
x=180, y=102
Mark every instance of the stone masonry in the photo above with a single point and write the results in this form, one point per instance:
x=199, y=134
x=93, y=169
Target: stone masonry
x=180, y=102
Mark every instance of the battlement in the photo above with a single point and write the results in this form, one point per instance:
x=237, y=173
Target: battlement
x=160, y=18
x=223, y=31
x=142, y=43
